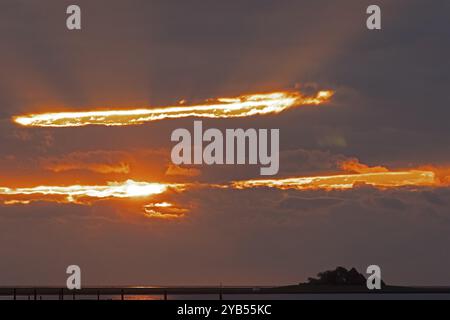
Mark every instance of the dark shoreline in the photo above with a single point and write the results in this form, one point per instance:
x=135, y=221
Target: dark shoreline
x=35, y=292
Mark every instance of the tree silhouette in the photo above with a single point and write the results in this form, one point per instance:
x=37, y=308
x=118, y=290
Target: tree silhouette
x=339, y=276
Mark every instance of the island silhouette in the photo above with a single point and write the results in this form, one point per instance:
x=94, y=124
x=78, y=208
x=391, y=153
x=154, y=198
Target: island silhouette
x=339, y=277
x=337, y=281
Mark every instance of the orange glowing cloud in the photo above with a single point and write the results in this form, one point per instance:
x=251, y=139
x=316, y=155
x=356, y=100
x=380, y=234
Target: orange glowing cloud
x=353, y=165
x=103, y=162
x=174, y=170
x=442, y=174
x=241, y=106
x=84, y=193
x=94, y=167
x=377, y=177
x=164, y=210
x=346, y=181
x=361, y=174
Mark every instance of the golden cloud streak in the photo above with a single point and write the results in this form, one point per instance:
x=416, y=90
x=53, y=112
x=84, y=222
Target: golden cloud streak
x=242, y=106
x=127, y=189
x=164, y=210
x=133, y=189
x=84, y=194
x=346, y=181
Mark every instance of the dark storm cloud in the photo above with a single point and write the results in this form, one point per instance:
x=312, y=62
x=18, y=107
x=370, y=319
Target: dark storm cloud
x=231, y=243
x=304, y=162
x=305, y=204
x=391, y=84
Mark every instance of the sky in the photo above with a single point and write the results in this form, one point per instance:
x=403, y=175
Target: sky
x=389, y=112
